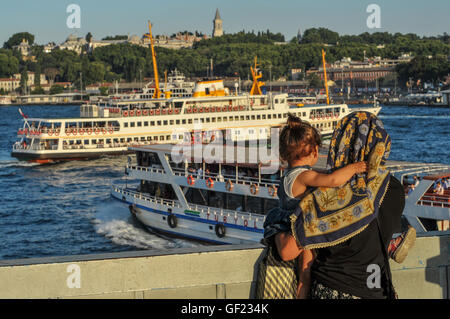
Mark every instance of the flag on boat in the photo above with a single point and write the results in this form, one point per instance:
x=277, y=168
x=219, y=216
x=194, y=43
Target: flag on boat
x=23, y=115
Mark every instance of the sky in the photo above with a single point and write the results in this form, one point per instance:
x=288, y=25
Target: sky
x=46, y=19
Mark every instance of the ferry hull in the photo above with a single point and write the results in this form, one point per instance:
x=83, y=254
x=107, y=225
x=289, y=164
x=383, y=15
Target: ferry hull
x=62, y=157
x=187, y=226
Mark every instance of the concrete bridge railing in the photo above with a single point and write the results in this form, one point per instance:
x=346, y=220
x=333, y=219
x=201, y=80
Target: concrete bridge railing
x=206, y=272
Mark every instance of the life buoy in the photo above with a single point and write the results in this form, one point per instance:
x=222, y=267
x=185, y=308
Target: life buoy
x=190, y=180
x=89, y=131
x=138, y=113
x=67, y=131
x=170, y=111
x=172, y=221
x=145, y=112
x=97, y=131
x=200, y=110
x=177, y=111
x=50, y=133
x=111, y=131
x=74, y=132
x=57, y=133
x=125, y=113
x=157, y=112
x=103, y=130
x=272, y=191
x=254, y=189
x=194, y=110
x=189, y=110
x=229, y=185
x=81, y=131
x=164, y=112
x=224, y=109
x=131, y=113
x=220, y=230
x=210, y=183
x=152, y=112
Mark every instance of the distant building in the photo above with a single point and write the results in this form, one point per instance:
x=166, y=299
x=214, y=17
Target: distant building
x=295, y=74
x=31, y=78
x=9, y=84
x=73, y=43
x=24, y=48
x=218, y=27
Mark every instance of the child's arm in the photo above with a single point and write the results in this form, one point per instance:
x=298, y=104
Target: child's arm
x=287, y=246
x=335, y=179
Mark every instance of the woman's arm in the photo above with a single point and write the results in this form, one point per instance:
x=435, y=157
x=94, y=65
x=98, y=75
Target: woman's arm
x=335, y=179
x=287, y=246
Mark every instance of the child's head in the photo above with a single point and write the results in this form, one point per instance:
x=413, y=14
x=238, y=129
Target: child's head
x=298, y=139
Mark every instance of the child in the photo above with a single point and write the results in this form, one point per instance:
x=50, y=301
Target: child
x=299, y=147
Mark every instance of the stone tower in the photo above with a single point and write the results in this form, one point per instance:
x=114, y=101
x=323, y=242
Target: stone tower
x=218, y=29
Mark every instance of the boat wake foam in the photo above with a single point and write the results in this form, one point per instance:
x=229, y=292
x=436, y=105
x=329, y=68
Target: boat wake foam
x=113, y=220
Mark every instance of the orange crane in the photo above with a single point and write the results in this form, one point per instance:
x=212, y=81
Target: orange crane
x=157, y=93
x=325, y=76
x=256, y=87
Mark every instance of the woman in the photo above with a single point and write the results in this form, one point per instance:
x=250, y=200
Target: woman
x=350, y=227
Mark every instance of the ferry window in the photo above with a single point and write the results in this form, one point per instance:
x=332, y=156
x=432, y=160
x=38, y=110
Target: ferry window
x=139, y=124
x=202, y=120
x=125, y=124
x=189, y=121
x=258, y=117
x=242, y=117
x=171, y=122
x=94, y=141
x=129, y=139
x=269, y=116
x=122, y=140
x=227, y=119
x=159, y=122
x=276, y=101
x=284, y=115
x=142, y=138
x=165, y=122
x=343, y=110
x=86, y=142
x=155, y=138
x=116, y=140
x=152, y=123
x=136, y=139
x=180, y=137
x=247, y=117
x=304, y=114
x=236, y=118
x=132, y=124
x=149, y=138
x=177, y=121
x=253, y=117
x=208, y=120
x=145, y=123
x=161, y=138
x=264, y=116
x=336, y=110
x=279, y=116
x=108, y=141
x=213, y=119
x=207, y=91
x=167, y=137
x=219, y=119
x=183, y=121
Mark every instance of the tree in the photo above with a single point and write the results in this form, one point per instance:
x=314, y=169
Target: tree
x=23, y=81
x=17, y=38
x=56, y=89
x=9, y=64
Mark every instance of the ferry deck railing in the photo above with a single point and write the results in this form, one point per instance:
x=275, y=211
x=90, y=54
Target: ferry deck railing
x=194, y=207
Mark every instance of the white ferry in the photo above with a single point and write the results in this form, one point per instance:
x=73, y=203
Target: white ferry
x=226, y=203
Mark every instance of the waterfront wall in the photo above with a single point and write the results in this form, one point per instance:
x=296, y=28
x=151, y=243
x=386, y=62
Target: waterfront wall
x=206, y=272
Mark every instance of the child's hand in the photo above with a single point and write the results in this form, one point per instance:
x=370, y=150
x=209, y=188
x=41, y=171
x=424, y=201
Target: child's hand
x=360, y=167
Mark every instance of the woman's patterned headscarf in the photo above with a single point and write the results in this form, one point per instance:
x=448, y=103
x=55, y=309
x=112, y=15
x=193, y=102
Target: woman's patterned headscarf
x=329, y=216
